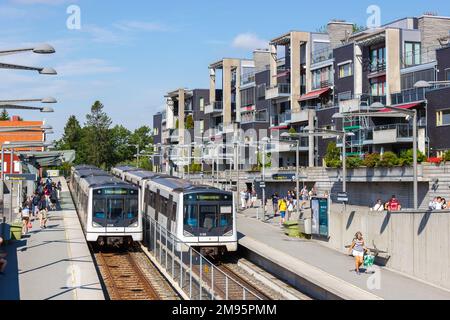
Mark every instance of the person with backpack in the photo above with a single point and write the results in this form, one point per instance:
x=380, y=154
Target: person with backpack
x=394, y=204
x=59, y=189
x=53, y=199
x=275, y=199
x=43, y=212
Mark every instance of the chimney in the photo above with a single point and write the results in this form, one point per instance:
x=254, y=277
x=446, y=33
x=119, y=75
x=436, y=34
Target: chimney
x=15, y=118
x=339, y=31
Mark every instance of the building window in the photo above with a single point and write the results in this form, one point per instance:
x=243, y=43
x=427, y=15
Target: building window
x=202, y=126
x=322, y=78
x=202, y=104
x=377, y=59
x=412, y=53
x=447, y=75
x=345, y=70
x=378, y=86
x=443, y=118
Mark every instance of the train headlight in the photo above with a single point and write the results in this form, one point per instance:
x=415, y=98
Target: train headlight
x=96, y=225
x=135, y=225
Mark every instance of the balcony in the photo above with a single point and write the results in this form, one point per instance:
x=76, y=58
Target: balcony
x=377, y=66
x=215, y=107
x=279, y=120
x=321, y=55
x=368, y=100
x=408, y=96
x=289, y=146
x=393, y=133
x=281, y=90
x=248, y=78
x=173, y=136
x=254, y=117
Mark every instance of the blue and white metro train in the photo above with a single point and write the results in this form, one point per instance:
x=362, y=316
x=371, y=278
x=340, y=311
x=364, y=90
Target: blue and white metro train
x=108, y=207
x=201, y=216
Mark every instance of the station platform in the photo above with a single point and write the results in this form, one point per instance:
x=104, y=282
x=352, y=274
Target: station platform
x=325, y=272
x=53, y=263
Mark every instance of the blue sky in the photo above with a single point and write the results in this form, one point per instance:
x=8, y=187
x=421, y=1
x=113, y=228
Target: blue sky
x=128, y=54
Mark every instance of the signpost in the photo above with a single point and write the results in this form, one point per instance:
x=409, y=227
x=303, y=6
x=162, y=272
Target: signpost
x=342, y=197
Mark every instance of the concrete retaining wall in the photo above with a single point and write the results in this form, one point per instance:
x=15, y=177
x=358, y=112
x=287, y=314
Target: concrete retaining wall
x=417, y=243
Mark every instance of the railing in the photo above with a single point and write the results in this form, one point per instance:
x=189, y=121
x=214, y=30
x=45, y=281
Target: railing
x=406, y=96
x=248, y=78
x=322, y=84
x=322, y=55
x=252, y=117
x=280, y=119
x=278, y=90
x=368, y=100
x=404, y=130
x=284, y=88
x=197, y=277
x=378, y=65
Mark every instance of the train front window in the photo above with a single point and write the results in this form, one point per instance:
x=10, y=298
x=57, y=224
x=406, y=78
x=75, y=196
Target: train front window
x=99, y=213
x=208, y=215
x=115, y=212
x=131, y=215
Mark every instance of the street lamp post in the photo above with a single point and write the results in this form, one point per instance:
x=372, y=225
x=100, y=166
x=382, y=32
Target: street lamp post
x=265, y=140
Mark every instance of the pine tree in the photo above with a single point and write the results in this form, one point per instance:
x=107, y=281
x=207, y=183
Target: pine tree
x=4, y=115
x=97, y=138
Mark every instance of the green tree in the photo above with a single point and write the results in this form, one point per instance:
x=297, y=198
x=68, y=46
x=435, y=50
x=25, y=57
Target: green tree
x=333, y=156
x=120, y=137
x=97, y=137
x=189, y=122
x=72, y=138
x=4, y=115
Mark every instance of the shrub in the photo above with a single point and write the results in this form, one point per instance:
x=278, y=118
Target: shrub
x=354, y=162
x=189, y=122
x=406, y=157
x=333, y=156
x=447, y=156
x=371, y=160
x=388, y=160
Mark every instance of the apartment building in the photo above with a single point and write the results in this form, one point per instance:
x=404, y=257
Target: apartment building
x=324, y=80
x=184, y=117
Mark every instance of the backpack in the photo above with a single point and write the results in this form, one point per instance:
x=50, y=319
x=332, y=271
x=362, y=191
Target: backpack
x=36, y=201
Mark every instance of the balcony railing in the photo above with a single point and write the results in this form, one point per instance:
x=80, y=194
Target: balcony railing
x=254, y=117
x=378, y=65
x=419, y=56
x=368, y=100
x=281, y=119
x=392, y=133
x=280, y=90
x=322, y=55
x=214, y=107
x=248, y=78
x=407, y=96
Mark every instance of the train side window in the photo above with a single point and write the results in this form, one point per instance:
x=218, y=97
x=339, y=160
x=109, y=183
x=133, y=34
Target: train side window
x=174, y=212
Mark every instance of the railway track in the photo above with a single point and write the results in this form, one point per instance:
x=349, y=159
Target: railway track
x=127, y=275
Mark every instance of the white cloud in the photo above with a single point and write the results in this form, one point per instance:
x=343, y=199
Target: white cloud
x=86, y=67
x=249, y=41
x=101, y=35
x=140, y=26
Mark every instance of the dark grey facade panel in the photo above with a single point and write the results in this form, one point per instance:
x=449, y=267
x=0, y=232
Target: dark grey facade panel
x=439, y=136
x=443, y=61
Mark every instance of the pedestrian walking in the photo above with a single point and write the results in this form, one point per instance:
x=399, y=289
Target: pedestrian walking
x=43, y=211
x=242, y=195
x=304, y=195
x=282, y=207
x=357, y=249
x=59, y=189
x=254, y=198
x=290, y=209
x=275, y=199
x=25, y=215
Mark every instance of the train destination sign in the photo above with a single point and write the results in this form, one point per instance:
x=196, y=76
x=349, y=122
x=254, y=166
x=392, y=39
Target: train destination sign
x=208, y=197
x=116, y=192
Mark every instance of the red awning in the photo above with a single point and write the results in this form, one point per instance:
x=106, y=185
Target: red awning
x=314, y=94
x=403, y=106
x=282, y=74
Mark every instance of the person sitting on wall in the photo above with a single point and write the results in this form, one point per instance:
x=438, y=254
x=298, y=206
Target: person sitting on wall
x=379, y=206
x=394, y=204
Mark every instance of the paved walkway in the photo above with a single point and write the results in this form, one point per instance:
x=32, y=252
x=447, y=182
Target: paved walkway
x=271, y=238
x=52, y=264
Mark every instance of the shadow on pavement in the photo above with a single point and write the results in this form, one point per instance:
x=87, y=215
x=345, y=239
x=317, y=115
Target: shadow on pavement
x=9, y=282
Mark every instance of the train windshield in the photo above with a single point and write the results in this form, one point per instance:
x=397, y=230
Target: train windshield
x=208, y=215
x=115, y=211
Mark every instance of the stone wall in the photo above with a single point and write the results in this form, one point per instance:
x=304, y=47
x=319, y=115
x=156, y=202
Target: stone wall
x=416, y=243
